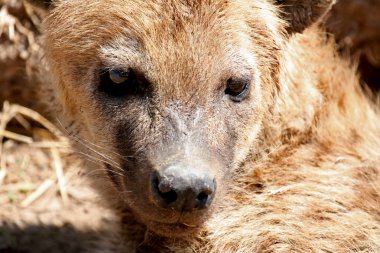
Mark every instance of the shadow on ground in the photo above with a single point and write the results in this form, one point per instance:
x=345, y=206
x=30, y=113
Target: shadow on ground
x=49, y=239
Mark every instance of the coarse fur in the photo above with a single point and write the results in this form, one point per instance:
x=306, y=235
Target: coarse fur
x=296, y=162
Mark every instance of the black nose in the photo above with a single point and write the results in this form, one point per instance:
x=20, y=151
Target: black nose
x=182, y=190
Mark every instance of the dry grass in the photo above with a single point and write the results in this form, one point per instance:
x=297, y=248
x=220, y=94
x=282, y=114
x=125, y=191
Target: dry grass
x=45, y=137
x=31, y=147
x=20, y=31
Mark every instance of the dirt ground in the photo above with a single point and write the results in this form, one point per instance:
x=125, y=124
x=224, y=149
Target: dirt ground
x=46, y=204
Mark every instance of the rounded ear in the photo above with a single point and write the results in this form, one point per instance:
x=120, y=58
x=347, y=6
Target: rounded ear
x=45, y=4
x=300, y=14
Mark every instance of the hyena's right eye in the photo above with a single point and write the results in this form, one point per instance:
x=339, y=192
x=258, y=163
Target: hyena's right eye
x=119, y=83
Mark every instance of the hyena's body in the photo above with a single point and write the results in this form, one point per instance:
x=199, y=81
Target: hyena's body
x=214, y=89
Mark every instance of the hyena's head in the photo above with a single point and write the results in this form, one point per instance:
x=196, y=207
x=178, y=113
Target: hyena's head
x=168, y=96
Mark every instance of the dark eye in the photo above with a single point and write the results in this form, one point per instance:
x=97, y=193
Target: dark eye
x=237, y=88
x=118, y=83
x=118, y=76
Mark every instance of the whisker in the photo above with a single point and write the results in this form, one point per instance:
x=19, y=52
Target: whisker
x=95, y=160
x=93, y=172
x=87, y=143
x=82, y=142
x=109, y=162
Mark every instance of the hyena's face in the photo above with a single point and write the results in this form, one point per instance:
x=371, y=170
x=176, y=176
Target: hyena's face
x=170, y=95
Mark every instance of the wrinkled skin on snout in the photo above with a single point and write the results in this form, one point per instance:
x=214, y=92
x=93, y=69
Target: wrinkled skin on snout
x=167, y=98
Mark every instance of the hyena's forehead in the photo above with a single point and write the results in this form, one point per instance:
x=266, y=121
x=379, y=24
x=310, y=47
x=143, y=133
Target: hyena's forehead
x=84, y=26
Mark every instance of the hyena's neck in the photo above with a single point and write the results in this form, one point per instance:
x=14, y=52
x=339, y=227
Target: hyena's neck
x=321, y=102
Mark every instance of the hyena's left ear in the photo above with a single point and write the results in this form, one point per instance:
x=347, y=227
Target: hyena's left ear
x=302, y=13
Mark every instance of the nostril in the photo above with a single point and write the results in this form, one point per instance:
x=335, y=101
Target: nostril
x=164, y=191
x=169, y=197
x=204, y=198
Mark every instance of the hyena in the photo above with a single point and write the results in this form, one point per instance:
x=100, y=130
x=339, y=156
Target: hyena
x=217, y=125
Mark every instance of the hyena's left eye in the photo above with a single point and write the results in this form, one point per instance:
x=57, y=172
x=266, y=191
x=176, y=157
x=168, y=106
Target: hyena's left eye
x=237, y=88
x=118, y=76
x=118, y=83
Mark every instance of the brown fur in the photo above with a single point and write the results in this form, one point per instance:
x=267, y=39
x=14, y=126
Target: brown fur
x=296, y=161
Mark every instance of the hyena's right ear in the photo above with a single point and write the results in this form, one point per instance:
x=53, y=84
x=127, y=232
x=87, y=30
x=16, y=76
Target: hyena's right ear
x=44, y=4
